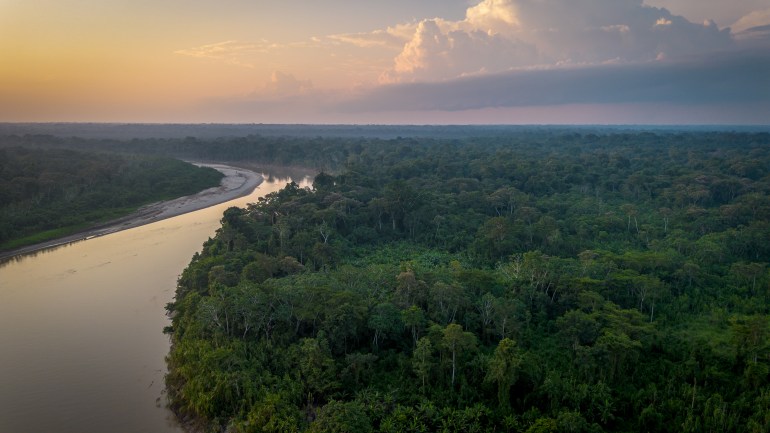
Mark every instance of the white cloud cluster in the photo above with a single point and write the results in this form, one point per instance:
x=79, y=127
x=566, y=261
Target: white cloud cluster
x=435, y=53
x=516, y=54
x=500, y=35
x=755, y=20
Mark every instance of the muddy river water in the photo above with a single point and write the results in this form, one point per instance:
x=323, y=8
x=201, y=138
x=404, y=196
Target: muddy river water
x=81, y=342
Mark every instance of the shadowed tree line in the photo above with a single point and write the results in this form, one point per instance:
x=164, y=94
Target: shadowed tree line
x=49, y=192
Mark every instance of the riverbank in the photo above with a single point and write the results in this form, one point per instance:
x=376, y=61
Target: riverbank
x=237, y=182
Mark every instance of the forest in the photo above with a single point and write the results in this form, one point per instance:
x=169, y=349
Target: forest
x=49, y=192
x=536, y=281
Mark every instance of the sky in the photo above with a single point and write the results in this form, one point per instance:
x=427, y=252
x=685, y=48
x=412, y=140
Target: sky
x=375, y=62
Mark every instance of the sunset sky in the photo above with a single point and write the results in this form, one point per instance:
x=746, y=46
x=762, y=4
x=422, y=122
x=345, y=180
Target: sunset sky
x=400, y=61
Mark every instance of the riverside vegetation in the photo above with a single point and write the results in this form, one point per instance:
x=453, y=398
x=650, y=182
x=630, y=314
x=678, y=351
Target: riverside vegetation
x=526, y=280
x=46, y=193
x=542, y=282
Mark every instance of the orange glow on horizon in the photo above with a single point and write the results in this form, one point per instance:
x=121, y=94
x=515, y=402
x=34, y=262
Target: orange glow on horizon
x=239, y=60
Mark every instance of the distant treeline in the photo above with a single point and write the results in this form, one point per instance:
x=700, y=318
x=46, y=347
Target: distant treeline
x=548, y=281
x=130, y=131
x=331, y=153
x=49, y=192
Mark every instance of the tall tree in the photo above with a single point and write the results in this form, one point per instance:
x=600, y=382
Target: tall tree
x=503, y=369
x=422, y=360
x=456, y=341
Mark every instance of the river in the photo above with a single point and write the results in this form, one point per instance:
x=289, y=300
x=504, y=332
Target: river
x=81, y=342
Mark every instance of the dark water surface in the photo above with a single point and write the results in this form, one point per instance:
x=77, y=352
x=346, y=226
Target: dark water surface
x=81, y=342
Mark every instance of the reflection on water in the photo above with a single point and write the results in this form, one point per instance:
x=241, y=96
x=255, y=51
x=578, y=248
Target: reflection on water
x=81, y=327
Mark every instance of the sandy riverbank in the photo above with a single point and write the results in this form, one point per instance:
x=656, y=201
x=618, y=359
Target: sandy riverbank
x=237, y=182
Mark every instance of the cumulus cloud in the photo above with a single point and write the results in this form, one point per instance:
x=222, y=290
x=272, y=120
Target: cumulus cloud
x=508, y=54
x=502, y=35
x=498, y=16
x=754, y=19
x=434, y=53
x=753, y=27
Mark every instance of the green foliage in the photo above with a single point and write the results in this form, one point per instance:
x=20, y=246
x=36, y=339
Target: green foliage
x=544, y=425
x=422, y=360
x=503, y=369
x=540, y=282
x=49, y=193
x=341, y=417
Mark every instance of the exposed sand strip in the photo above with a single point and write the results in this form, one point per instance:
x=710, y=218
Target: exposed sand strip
x=237, y=182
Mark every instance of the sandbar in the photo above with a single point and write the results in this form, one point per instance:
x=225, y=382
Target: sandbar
x=237, y=182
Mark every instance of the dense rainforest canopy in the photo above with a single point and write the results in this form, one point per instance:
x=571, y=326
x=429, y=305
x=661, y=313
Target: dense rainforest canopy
x=525, y=283
x=529, y=281
x=50, y=192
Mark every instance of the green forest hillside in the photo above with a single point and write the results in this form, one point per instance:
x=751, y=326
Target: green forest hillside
x=532, y=283
x=47, y=193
